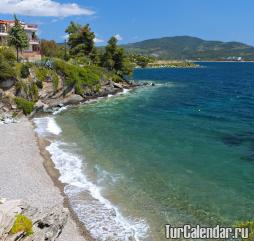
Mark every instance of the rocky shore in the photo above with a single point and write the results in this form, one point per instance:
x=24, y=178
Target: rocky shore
x=51, y=100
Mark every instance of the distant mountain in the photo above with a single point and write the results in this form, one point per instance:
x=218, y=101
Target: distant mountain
x=185, y=47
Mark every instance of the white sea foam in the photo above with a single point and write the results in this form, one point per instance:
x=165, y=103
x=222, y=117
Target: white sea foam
x=125, y=91
x=100, y=217
x=103, y=220
x=60, y=110
x=47, y=124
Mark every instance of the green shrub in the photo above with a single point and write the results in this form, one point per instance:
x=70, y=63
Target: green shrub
x=33, y=92
x=25, y=105
x=55, y=80
x=7, y=64
x=41, y=73
x=29, y=90
x=22, y=224
x=24, y=71
x=9, y=55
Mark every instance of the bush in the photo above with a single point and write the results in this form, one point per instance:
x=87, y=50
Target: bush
x=33, y=92
x=8, y=55
x=22, y=224
x=41, y=73
x=7, y=64
x=76, y=76
x=24, y=71
x=55, y=80
x=25, y=105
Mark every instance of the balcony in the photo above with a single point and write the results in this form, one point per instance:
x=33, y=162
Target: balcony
x=31, y=27
x=34, y=41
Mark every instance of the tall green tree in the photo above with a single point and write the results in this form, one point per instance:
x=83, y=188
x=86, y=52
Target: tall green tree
x=81, y=41
x=18, y=37
x=114, y=59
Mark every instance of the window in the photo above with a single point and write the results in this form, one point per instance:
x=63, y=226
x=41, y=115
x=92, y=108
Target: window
x=2, y=28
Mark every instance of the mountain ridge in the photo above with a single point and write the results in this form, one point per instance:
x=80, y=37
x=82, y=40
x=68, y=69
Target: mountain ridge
x=193, y=48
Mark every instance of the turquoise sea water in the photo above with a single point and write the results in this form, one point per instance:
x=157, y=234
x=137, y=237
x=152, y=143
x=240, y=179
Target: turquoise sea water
x=179, y=152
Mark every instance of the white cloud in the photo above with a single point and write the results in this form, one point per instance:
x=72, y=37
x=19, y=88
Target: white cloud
x=46, y=8
x=65, y=37
x=98, y=40
x=118, y=37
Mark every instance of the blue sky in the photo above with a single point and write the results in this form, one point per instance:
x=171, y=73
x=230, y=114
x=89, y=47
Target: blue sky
x=135, y=20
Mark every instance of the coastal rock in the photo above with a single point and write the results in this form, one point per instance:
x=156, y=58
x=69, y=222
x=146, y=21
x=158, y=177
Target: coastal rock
x=117, y=85
x=72, y=100
x=1, y=94
x=39, y=105
x=7, y=84
x=47, y=224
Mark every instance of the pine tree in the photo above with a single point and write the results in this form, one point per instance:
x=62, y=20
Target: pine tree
x=115, y=59
x=18, y=37
x=81, y=41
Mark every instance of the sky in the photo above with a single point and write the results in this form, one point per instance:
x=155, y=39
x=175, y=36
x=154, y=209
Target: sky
x=136, y=20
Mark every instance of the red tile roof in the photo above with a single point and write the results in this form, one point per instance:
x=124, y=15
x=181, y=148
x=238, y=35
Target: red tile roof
x=6, y=21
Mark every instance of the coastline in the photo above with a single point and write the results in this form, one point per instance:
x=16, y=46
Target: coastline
x=23, y=175
x=45, y=140
x=54, y=174
x=75, y=229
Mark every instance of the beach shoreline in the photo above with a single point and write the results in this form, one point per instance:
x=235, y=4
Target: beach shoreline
x=28, y=173
x=54, y=174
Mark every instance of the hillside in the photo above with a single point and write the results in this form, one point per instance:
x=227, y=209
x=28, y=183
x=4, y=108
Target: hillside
x=185, y=47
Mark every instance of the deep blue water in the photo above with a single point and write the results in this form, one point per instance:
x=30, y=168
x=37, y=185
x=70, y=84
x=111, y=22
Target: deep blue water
x=179, y=152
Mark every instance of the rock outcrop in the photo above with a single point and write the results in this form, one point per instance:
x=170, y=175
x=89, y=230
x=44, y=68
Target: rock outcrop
x=47, y=224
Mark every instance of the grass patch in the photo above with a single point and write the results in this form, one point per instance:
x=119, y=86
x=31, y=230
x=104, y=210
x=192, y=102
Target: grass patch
x=22, y=224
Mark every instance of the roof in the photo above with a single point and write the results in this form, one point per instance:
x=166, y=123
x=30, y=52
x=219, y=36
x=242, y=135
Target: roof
x=12, y=21
x=6, y=21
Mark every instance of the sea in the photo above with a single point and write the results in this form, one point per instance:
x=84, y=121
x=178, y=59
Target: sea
x=180, y=151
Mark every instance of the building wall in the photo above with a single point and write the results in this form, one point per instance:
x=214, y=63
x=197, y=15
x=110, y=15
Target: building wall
x=32, y=53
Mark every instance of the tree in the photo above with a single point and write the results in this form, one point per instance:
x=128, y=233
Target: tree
x=49, y=48
x=18, y=37
x=115, y=59
x=81, y=41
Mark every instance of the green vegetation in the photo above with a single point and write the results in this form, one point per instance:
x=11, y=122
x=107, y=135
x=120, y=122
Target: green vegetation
x=185, y=47
x=81, y=43
x=79, y=67
x=115, y=59
x=41, y=73
x=172, y=64
x=55, y=81
x=18, y=37
x=141, y=60
x=24, y=71
x=49, y=48
x=7, y=64
x=250, y=226
x=24, y=105
x=75, y=76
x=22, y=224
